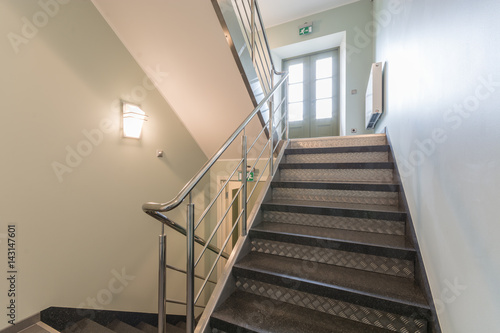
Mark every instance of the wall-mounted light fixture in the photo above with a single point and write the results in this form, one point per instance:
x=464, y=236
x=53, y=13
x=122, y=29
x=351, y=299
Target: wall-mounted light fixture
x=133, y=119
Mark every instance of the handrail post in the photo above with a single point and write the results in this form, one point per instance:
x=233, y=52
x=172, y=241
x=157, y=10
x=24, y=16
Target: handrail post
x=162, y=283
x=244, y=181
x=252, y=27
x=271, y=137
x=286, y=110
x=190, y=268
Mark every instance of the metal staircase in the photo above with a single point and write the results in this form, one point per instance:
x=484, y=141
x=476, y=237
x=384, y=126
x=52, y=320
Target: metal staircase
x=329, y=251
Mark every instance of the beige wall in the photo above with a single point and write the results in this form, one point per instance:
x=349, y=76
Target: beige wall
x=79, y=227
x=442, y=112
x=356, y=20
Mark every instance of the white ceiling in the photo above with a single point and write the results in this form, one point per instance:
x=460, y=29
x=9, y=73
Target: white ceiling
x=276, y=12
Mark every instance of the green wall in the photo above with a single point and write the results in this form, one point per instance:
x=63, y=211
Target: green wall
x=357, y=21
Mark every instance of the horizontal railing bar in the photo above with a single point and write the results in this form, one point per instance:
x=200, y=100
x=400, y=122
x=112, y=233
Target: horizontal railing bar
x=183, y=271
x=217, y=227
x=171, y=224
x=258, y=158
x=173, y=301
x=258, y=136
x=179, y=198
x=218, y=257
x=279, y=105
x=258, y=180
x=217, y=196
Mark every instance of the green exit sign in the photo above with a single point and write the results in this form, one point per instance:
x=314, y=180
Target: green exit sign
x=305, y=29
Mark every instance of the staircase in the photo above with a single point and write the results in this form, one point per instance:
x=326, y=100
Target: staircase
x=70, y=320
x=330, y=250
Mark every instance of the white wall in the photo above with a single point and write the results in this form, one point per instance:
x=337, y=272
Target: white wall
x=356, y=20
x=443, y=97
x=73, y=231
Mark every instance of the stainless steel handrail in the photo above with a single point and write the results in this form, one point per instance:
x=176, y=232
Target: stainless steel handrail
x=152, y=208
x=260, y=54
x=171, y=224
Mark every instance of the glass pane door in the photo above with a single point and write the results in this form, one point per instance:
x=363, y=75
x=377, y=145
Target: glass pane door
x=313, y=95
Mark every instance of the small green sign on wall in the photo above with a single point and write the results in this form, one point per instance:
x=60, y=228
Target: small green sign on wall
x=305, y=29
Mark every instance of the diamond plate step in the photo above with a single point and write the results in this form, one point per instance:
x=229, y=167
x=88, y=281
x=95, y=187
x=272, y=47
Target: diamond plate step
x=145, y=327
x=386, y=254
x=87, y=326
x=376, y=212
x=392, y=294
x=119, y=326
x=343, y=192
x=344, y=141
x=246, y=312
x=337, y=154
x=346, y=310
x=357, y=172
x=337, y=222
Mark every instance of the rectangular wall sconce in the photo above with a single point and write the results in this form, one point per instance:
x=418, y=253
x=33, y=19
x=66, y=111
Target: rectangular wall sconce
x=133, y=119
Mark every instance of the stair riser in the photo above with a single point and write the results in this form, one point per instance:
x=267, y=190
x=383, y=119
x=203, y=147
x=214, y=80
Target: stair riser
x=343, y=175
x=337, y=222
x=367, y=262
x=338, y=158
x=351, y=311
x=337, y=196
x=340, y=142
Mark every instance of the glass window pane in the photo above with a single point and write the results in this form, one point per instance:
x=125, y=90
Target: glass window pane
x=324, y=88
x=296, y=73
x=324, y=108
x=296, y=92
x=295, y=111
x=324, y=68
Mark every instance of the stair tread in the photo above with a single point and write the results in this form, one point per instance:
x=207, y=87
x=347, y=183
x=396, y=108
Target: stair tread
x=365, y=283
x=119, y=326
x=335, y=205
x=244, y=310
x=353, y=186
x=335, y=150
x=88, y=326
x=145, y=327
x=353, y=165
x=37, y=328
x=319, y=233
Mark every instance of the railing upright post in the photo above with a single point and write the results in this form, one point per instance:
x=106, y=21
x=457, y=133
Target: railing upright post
x=244, y=181
x=271, y=137
x=252, y=26
x=286, y=110
x=162, y=283
x=190, y=268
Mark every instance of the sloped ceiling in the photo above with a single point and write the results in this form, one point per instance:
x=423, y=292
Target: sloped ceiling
x=183, y=41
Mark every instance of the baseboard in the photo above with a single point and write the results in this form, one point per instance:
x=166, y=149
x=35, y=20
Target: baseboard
x=420, y=273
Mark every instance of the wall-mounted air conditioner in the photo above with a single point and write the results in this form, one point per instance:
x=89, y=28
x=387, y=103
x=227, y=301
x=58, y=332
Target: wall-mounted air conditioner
x=374, y=97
